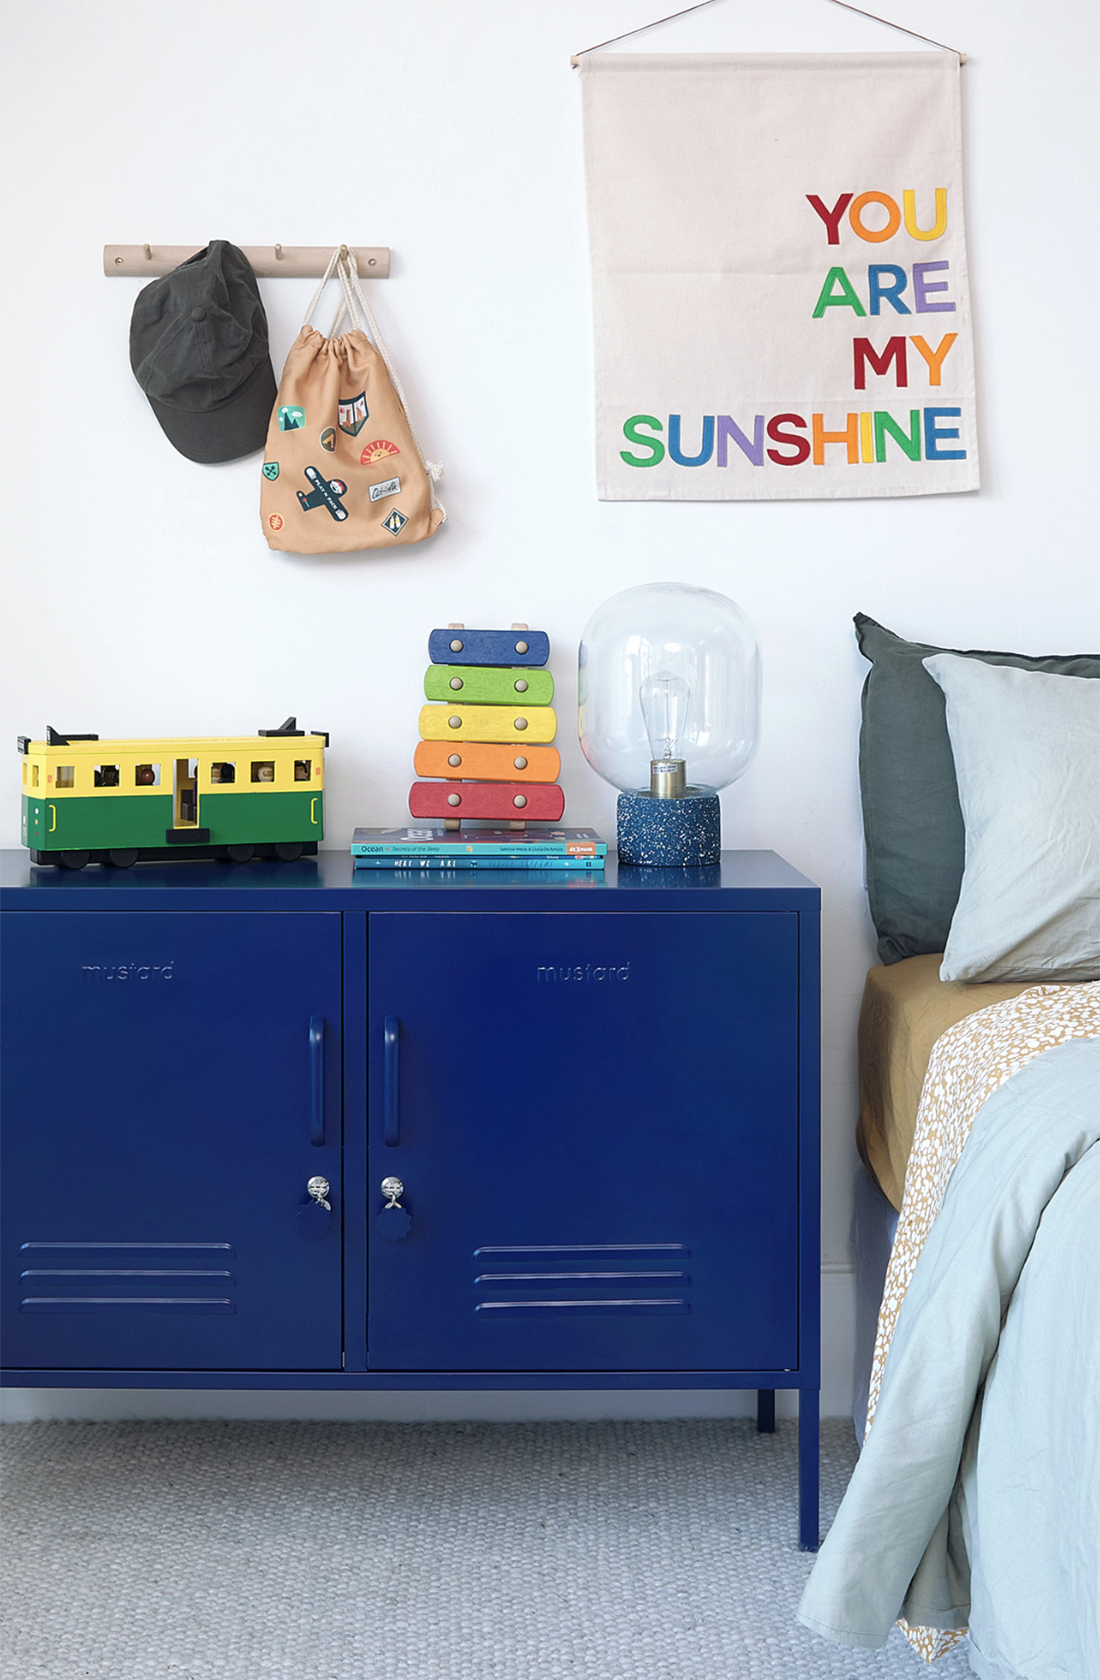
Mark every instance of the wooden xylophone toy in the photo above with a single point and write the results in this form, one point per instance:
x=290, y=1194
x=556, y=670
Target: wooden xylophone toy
x=487, y=733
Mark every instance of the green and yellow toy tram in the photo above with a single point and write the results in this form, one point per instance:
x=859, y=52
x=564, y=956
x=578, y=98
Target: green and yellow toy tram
x=236, y=797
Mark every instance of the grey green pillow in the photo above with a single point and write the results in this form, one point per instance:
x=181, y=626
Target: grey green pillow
x=912, y=822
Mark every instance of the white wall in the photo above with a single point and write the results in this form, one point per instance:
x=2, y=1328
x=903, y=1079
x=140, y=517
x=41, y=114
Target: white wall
x=141, y=598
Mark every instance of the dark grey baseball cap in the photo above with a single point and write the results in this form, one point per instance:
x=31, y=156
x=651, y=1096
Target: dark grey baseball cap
x=198, y=348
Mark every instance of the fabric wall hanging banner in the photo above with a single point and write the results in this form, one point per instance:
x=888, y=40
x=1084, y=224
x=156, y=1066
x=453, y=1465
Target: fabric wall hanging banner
x=779, y=276
x=343, y=469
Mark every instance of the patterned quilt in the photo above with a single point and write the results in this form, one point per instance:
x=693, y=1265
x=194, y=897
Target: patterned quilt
x=1017, y=1085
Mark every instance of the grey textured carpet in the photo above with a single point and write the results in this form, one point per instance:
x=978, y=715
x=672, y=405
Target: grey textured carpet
x=381, y=1551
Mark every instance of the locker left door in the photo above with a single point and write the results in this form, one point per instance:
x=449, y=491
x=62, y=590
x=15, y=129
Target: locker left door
x=171, y=1084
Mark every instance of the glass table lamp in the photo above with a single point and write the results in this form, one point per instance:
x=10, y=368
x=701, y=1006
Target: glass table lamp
x=669, y=708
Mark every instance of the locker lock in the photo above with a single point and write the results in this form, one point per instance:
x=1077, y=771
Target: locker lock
x=393, y=1222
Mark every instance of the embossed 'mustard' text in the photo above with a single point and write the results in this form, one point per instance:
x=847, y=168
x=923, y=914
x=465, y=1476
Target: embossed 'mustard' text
x=128, y=971
x=586, y=971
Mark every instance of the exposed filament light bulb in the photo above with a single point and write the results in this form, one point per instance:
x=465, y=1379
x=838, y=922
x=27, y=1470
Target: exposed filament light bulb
x=665, y=699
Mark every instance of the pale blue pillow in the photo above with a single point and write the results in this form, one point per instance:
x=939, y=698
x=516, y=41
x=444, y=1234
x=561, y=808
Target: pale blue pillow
x=1026, y=747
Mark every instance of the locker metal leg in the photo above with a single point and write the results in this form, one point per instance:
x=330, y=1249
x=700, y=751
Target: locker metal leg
x=808, y=1408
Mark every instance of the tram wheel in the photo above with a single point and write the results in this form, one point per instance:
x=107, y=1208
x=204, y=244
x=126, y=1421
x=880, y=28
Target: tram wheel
x=74, y=860
x=241, y=854
x=288, y=850
x=124, y=858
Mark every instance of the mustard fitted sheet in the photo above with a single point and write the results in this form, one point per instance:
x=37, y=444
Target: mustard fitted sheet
x=906, y=1006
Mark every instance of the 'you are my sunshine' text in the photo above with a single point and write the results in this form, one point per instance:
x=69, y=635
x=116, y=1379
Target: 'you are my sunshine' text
x=920, y=289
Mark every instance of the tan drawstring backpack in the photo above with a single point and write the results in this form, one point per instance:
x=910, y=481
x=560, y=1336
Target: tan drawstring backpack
x=343, y=469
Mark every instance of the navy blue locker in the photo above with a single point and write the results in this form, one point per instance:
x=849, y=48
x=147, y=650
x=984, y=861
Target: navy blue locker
x=595, y=1121
x=171, y=1083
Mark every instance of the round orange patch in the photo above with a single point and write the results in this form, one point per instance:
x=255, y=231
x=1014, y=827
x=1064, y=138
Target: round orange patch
x=276, y=521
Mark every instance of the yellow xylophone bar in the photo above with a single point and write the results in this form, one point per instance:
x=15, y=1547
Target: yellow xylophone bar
x=488, y=723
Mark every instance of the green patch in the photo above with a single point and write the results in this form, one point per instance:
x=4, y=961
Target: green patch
x=271, y=469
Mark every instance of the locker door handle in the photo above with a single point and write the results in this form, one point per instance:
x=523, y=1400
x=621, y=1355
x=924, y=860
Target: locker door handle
x=317, y=1080
x=391, y=1118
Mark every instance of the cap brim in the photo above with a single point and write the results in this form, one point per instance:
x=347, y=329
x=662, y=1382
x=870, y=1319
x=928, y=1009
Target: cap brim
x=224, y=432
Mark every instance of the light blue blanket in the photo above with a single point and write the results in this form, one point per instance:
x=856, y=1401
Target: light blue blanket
x=976, y=1500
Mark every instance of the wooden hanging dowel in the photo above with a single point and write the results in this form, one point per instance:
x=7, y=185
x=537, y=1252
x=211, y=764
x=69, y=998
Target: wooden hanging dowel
x=269, y=262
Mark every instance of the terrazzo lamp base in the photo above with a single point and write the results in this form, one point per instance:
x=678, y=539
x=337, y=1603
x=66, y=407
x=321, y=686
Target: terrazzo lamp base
x=683, y=831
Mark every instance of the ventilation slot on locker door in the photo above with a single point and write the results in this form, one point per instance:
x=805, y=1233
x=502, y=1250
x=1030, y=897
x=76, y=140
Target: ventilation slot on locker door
x=99, y=1277
x=571, y=1280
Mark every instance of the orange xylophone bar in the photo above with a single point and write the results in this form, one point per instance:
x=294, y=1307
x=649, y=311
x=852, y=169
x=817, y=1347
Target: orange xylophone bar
x=478, y=761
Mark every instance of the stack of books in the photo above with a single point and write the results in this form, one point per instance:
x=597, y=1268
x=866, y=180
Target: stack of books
x=485, y=735
x=434, y=847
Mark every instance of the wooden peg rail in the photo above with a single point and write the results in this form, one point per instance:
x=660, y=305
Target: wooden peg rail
x=269, y=262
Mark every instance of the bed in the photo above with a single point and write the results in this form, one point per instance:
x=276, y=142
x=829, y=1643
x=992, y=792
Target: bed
x=975, y=1505
x=905, y=1009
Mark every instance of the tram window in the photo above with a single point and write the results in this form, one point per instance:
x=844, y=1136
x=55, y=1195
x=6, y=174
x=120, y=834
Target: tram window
x=24, y=771
x=303, y=769
x=147, y=775
x=66, y=776
x=105, y=775
x=263, y=770
x=34, y=775
x=221, y=774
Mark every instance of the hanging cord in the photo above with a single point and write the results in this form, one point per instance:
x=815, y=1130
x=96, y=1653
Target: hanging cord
x=348, y=270
x=900, y=27
x=325, y=278
x=335, y=270
x=642, y=27
x=347, y=301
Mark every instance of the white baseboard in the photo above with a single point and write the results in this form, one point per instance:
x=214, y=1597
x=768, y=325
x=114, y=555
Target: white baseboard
x=101, y=1405
x=838, y=1338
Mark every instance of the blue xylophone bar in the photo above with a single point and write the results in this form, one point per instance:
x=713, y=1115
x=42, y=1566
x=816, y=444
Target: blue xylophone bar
x=488, y=647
